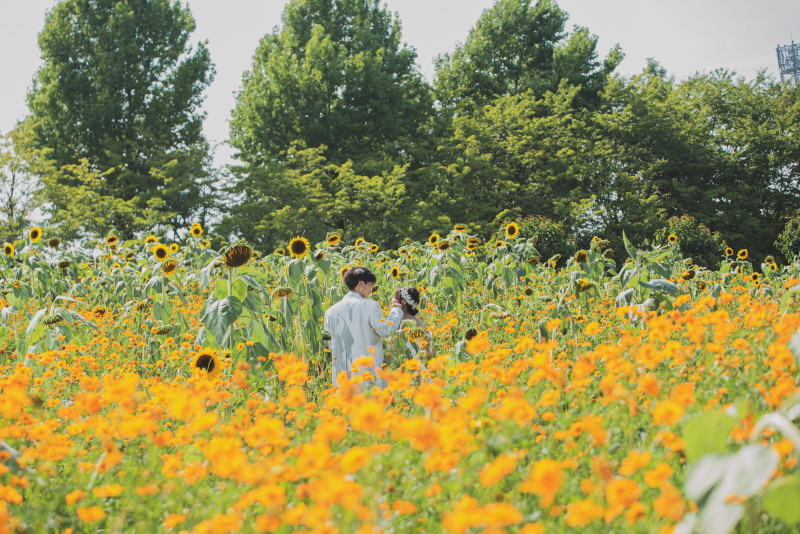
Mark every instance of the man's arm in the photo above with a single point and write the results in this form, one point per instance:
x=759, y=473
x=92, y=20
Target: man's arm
x=387, y=327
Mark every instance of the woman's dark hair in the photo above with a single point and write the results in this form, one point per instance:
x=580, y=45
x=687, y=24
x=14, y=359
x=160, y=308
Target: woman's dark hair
x=411, y=292
x=355, y=275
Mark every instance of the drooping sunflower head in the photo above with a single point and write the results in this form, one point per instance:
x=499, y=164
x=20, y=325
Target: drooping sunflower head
x=54, y=243
x=208, y=362
x=499, y=243
x=280, y=252
x=161, y=252
x=433, y=240
x=333, y=239
x=35, y=234
x=298, y=247
x=512, y=229
x=443, y=245
x=581, y=256
x=460, y=228
x=238, y=255
x=149, y=240
x=373, y=248
x=112, y=240
x=169, y=267
x=769, y=260
x=742, y=254
x=319, y=255
x=672, y=238
x=8, y=249
x=282, y=292
x=196, y=230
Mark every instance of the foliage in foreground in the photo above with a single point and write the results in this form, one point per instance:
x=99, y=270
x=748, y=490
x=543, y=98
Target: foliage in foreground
x=153, y=387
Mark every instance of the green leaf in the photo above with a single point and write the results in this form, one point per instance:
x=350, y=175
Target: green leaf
x=661, y=285
x=782, y=498
x=221, y=289
x=628, y=246
x=219, y=315
x=706, y=434
x=294, y=271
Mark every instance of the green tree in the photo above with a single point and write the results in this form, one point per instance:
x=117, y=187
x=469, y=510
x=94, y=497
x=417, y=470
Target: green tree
x=120, y=88
x=517, y=47
x=336, y=75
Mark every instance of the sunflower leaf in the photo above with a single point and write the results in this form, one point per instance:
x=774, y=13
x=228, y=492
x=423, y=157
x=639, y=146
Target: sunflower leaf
x=219, y=315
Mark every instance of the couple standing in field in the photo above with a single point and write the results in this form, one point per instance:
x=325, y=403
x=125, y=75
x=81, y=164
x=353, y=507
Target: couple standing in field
x=356, y=325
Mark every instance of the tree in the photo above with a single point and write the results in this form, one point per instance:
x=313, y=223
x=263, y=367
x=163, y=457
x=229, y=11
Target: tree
x=120, y=88
x=20, y=188
x=514, y=48
x=335, y=75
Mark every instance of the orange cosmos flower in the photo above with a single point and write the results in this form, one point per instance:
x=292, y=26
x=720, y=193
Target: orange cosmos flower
x=497, y=470
x=91, y=514
x=545, y=480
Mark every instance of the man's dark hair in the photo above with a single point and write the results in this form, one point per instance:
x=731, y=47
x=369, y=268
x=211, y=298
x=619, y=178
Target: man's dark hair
x=355, y=275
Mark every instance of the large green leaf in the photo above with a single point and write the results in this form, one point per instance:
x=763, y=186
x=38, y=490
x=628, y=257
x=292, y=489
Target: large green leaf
x=783, y=497
x=219, y=316
x=706, y=434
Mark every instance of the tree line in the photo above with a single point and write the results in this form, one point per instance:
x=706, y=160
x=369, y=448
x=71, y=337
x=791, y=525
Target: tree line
x=336, y=130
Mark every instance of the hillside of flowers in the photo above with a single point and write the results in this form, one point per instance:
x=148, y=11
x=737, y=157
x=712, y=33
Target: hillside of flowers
x=152, y=386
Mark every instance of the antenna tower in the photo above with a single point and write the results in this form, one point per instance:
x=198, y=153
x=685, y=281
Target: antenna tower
x=789, y=61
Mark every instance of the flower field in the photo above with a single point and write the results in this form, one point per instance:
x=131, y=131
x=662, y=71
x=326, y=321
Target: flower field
x=168, y=387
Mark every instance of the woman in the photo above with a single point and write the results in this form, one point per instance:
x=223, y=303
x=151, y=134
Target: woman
x=416, y=332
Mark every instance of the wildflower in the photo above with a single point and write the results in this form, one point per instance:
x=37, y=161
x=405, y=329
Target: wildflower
x=497, y=469
x=237, y=256
x=90, y=514
x=512, y=230
x=298, y=247
x=35, y=234
x=546, y=477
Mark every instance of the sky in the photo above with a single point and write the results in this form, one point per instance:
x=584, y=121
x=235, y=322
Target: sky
x=685, y=36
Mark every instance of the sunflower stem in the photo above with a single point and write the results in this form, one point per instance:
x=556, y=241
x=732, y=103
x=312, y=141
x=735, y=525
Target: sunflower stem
x=230, y=328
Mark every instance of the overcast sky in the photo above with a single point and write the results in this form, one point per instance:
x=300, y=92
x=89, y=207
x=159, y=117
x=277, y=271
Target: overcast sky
x=685, y=36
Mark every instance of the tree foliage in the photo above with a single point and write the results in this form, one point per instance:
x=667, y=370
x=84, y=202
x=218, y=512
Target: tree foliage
x=120, y=88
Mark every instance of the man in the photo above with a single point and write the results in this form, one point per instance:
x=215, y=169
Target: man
x=356, y=325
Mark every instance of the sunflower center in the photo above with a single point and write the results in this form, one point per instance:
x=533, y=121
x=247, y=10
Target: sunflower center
x=205, y=362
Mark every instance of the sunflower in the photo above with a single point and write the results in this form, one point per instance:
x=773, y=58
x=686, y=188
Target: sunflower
x=333, y=239
x=112, y=240
x=460, y=227
x=584, y=285
x=407, y=241
x=280, y=252
x=99, y=311
x=755, y=277
x=395, y=271
x=169, y=267
x=208, y=360
x=173, y=247
x=8, y=249
x=729, y=251
x=64, y=264
x=688, y=274
x=608, y=253
x=499, y=243
x=196, y=230
x=416, y=335
x=769, y=260
x=298, y=247
x=742, y=254
x=701, y=285
x=512, y=229
x=282, y=292
x=373, y=248
x=433, y=240
x=581, y=256
x=238, y=255
x=149, y=240
x=672, y=238
x=773, y=267
x=443, y=245
x=54, y=243
x=360, y=241
x=161, y=252
x=319, y=255
x=343, y=271
x=35, y=234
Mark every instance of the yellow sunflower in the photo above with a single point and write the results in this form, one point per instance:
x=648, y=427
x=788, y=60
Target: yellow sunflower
x=35, y=234
x=208, y=361
x=742, y=254
x=112, y=240
x=173, y=247
x=8, y=249
x=169, y=267
x=161, y=252
x=280, y=252
x=581, y=256
x=298, y=247
x=238, y=256
x=433, y=240
x=360, y=241
x=672, y=238
x=373, y=248
x=729, y=251
x=512, y=229
x=196, y=230
x=460, y=227
x=333, y=239
x=499, y=243
x=443, y=245
x=395, y=271
x=149, y=240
